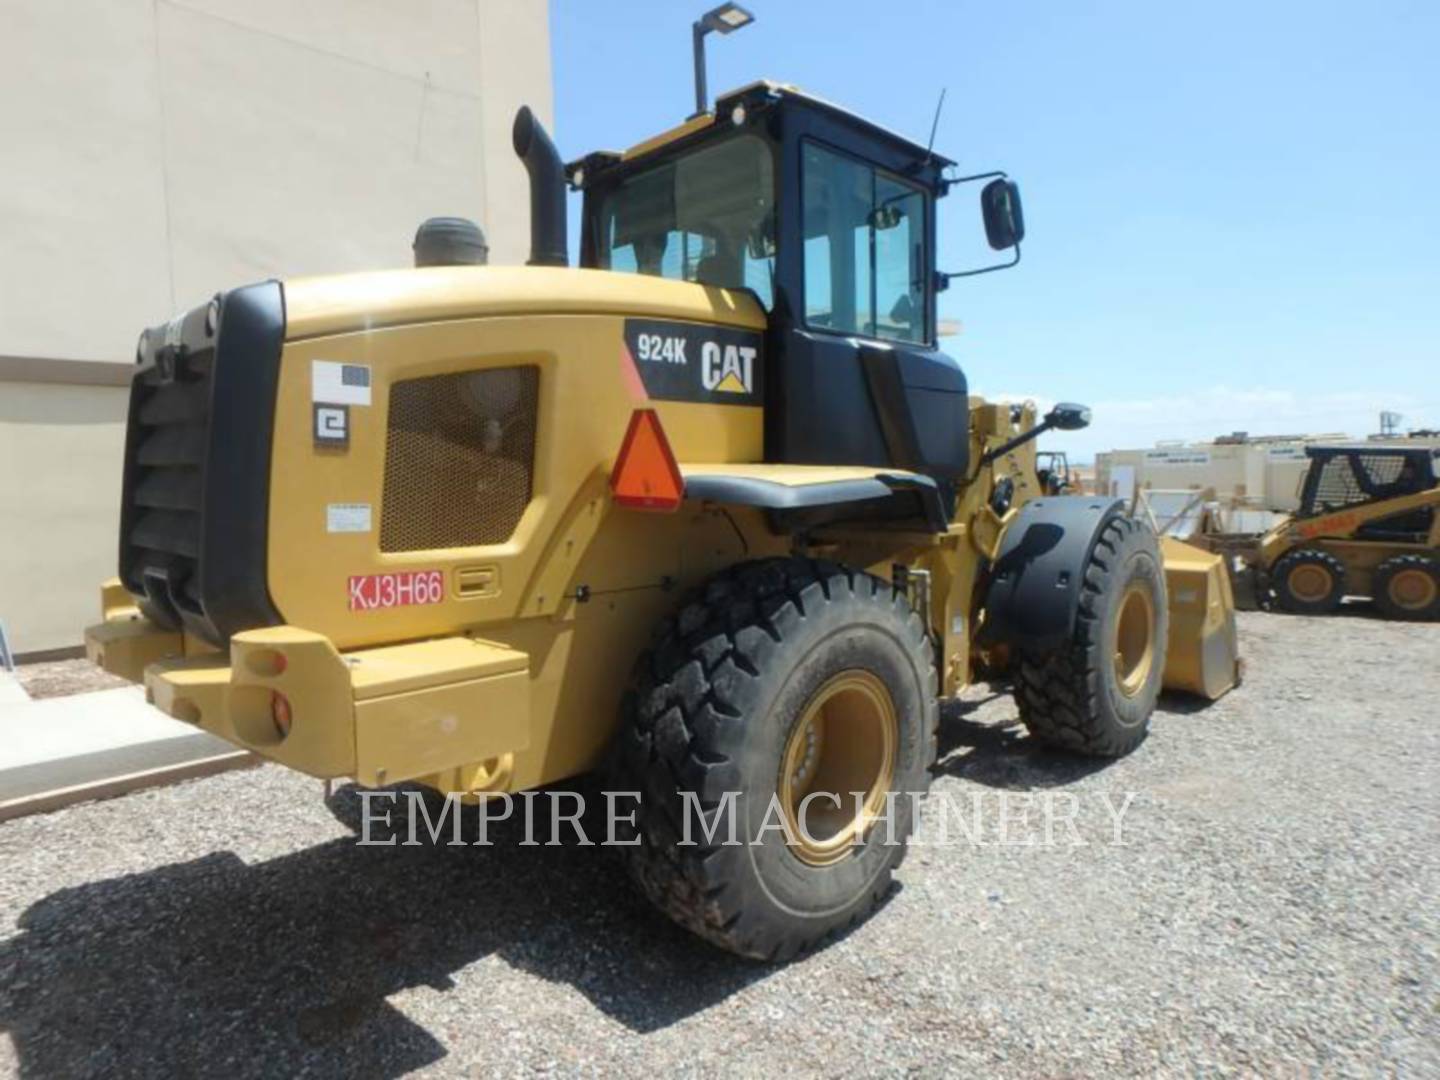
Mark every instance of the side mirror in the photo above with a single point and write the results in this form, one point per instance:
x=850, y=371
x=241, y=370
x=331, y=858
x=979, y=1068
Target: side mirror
x=1004, y=218
x=1067, y=416
x=1004, y=222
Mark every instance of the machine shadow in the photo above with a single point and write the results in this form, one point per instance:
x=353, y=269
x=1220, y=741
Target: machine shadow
x=1003, y=756
x=284, y=967
x=1182, y=703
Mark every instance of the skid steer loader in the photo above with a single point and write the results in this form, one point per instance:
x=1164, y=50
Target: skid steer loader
x=710, y=511
x=1367, y=525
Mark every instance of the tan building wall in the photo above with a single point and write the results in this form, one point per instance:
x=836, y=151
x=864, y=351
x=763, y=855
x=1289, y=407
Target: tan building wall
x=154, y=151
x=59, y=506
x=1260, y=475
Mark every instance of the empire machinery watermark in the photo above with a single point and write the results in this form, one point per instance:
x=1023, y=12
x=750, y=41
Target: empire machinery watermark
x=554, y=818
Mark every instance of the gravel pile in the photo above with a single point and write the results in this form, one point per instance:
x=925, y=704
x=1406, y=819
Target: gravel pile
x=1271, y=907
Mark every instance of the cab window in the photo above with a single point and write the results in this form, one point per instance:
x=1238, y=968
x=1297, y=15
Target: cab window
x=864, y=249
x=706, y=216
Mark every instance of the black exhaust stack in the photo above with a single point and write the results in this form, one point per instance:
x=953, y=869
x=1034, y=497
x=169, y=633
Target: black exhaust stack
x=548, y=245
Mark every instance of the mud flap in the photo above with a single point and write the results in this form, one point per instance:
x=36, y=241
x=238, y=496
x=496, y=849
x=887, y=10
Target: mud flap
x=1203, y=656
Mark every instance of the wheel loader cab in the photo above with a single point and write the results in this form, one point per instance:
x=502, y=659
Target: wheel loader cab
x=829, y=221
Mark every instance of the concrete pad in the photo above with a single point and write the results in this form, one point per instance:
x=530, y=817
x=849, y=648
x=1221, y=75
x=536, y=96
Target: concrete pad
x=62, y=750
x=11, y=692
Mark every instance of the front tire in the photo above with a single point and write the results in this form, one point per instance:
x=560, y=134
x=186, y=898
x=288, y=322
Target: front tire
x=785, y=678
x=1308, y=582
x=1095, y=693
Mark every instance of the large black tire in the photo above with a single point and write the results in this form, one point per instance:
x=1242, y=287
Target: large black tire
x=1308, y=581
x=1095, y=693
x=713, y=708
x=1408, y=587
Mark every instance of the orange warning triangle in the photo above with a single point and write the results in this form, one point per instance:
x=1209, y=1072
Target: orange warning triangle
x=645, y=475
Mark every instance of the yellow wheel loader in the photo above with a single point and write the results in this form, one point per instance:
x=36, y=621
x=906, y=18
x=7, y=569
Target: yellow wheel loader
x=1366, y=526
x=1056, y=477
x=710, y=511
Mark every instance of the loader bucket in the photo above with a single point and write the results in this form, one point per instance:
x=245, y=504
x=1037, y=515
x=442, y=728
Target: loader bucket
x=1203, y=655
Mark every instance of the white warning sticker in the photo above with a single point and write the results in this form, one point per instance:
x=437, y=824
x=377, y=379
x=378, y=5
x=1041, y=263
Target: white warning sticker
x=333, y=383
x=347, y=518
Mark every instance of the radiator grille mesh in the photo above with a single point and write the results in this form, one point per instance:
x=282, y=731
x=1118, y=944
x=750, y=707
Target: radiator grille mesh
x=459, y=457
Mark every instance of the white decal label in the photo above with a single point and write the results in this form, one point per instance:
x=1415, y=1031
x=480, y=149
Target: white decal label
x=347, y=518
x=332, y=425
x=339, y=384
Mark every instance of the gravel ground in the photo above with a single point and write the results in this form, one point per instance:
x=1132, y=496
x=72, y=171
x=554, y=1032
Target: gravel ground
x=1272, y=909
x=58, y=678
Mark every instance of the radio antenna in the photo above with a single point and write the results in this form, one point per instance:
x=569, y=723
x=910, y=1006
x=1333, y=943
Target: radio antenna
x=934, y=125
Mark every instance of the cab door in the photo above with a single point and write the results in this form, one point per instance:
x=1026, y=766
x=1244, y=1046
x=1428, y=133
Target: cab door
x=858, y=380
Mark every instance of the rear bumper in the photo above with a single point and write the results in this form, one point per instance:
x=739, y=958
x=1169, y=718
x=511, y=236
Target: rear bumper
x=452, y=710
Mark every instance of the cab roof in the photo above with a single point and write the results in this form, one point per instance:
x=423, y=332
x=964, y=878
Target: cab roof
x=765, y=92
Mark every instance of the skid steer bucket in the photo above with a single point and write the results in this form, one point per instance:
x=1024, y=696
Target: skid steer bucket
x=1203, y=656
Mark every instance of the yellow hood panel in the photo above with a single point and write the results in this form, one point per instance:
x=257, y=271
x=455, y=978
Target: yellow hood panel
x=319, y=306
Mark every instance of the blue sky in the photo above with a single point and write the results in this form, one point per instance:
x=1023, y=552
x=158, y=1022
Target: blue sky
x=1232, y=208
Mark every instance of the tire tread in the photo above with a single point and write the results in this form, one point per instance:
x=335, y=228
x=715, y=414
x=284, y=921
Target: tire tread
x=677, y=721
x=1058, y=692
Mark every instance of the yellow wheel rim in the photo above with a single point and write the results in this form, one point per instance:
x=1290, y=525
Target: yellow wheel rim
x=1310, y=582
x=845, y=742
x=1413, y=590
x=1133, y=639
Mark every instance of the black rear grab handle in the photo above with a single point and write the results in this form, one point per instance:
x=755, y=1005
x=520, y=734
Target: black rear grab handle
x=548, y=245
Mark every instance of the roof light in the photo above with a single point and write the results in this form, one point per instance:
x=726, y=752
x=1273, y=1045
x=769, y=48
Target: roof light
x=737, y=116
x=646, y=476
x=725, y=19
